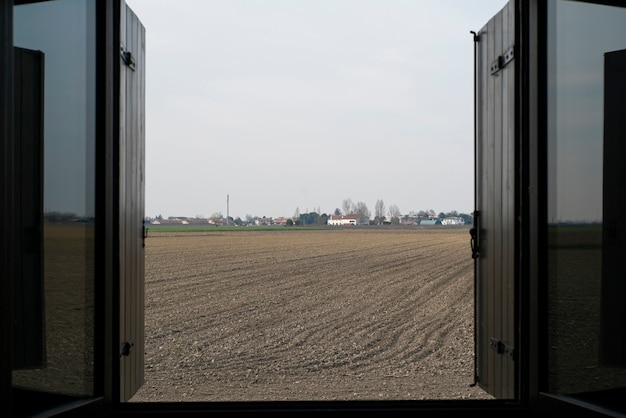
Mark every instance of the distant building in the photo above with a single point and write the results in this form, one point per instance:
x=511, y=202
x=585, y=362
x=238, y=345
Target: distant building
x=340, y=220
x=263, y=221
x=430, y=222
x=453, y=220
x=282, y=221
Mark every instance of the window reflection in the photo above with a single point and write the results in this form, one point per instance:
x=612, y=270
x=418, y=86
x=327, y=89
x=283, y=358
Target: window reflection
x=579, y=36
x=64, y=32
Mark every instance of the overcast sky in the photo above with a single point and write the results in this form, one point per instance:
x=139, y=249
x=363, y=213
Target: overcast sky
x=294, y=104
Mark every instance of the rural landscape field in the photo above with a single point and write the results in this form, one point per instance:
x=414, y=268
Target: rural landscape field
x=297, y=314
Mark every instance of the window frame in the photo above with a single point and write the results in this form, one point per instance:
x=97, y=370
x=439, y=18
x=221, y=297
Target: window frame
x=531, y=123
x=6, y=197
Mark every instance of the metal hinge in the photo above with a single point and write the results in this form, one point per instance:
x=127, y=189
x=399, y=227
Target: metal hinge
x=127, y=58
x=125, y=348
x=502, y=348
x=503, y=60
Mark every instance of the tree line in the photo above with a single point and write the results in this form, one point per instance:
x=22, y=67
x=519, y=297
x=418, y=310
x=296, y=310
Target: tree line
x=381, y=216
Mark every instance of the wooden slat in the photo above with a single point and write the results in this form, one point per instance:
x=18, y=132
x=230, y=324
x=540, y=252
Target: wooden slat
x=140, y=198
x=488, y=209
x=28, y=286
x=503, y=174
x=483, y=110
x=613, y=293
x=7, y=189
x=496, y=203
x=125, y=378
x=504, y=77
x=509, y=334
x=132, y=137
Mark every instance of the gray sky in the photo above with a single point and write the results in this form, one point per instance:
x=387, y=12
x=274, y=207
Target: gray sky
x=576, y=109
x=285, y=104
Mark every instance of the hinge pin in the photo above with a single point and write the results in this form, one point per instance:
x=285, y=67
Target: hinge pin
x=125, y=349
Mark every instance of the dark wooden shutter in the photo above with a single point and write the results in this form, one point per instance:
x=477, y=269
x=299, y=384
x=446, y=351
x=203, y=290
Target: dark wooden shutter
x=28, y=288
x=613, y=341
x=131, y=202
x=495, y=210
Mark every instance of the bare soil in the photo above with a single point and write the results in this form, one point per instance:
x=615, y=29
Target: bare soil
x=337, y=314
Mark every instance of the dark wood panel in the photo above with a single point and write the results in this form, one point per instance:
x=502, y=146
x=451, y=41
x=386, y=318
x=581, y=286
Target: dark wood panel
x=495, y=172
x=28, y=284
x=7, y=187
x=506, y=219
x=131, y=192
x=613, y=309
x=481, y=162
x=497, y=242
x=488, y=356
x=125, y=335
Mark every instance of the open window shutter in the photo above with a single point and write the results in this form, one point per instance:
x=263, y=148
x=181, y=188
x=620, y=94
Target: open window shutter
x=494, y=200
x=28, y=286
x=131, y=202
x=613, y=341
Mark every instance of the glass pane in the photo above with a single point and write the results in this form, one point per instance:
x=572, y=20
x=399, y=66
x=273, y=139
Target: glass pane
x=579, y=36
x=64, y=31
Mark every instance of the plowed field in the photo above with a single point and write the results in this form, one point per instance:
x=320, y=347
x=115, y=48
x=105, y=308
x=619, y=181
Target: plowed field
x=337, y=314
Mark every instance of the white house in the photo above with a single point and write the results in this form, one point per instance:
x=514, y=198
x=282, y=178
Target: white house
x=453, y=221
x=339, y=220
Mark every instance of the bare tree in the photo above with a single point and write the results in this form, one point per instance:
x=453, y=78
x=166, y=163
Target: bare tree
x=362, y=212
x=394, y=214
x=216, y=218
x=379, y=212
x=347, y=206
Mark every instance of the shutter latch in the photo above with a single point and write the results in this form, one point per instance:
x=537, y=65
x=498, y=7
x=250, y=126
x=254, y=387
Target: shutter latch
x=502, y=348
x=503, y=60
x=474, y=241
x=127, y=58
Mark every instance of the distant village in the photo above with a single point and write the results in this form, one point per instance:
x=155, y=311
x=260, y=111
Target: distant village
x=351, y=218
x=315, y=218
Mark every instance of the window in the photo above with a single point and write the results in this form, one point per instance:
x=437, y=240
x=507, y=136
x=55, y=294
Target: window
x=60, y=262
x=286, y=55
x=585, y=198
